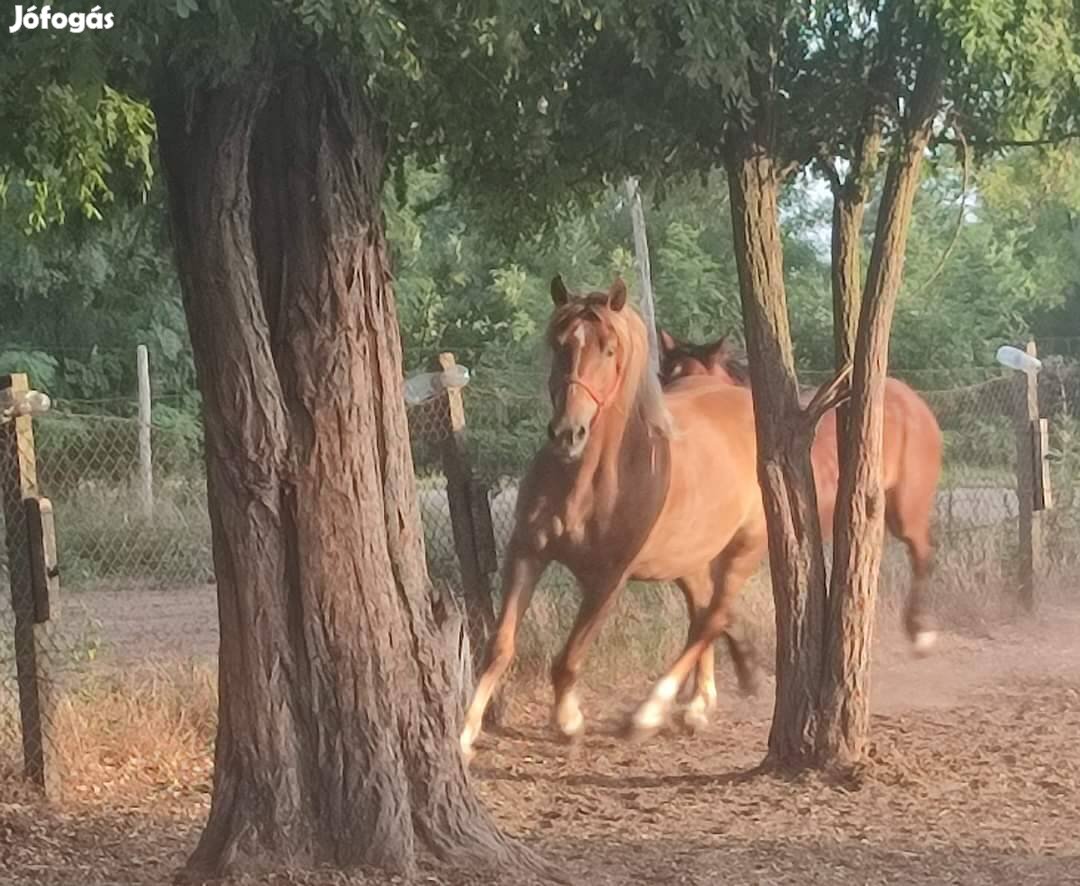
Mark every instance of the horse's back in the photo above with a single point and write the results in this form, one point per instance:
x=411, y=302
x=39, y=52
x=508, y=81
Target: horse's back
x=707, y=413
x=914, y=471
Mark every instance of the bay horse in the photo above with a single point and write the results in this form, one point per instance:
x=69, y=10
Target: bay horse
x=633, y=483
x=911, y=461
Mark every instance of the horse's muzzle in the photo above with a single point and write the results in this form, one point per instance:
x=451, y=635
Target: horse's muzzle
x=567, y=438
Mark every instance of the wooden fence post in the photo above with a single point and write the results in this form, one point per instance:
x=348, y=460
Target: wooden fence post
x=146, y=462
x=470, y=519
x=1030, y=490
x=28, y=530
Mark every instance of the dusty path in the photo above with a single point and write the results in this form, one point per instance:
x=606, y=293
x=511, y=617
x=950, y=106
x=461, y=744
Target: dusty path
x=133, y=626
x=974, y=779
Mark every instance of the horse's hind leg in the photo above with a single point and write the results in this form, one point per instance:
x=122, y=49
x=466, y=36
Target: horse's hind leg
x=731, y=570
x=520, y=576
x=698, y=592
x=743, y=656
x=908, y=518
x=596, y=603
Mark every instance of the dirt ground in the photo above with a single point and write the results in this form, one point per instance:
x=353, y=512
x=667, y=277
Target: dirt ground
x=975, y=779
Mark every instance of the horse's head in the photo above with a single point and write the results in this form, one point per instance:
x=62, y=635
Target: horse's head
x=720, y=359
x=595, y=341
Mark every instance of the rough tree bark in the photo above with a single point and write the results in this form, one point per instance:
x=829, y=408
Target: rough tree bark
x=843, y=732
x=850, y=195
x=337, y=731
x=849, y=210
x=784, y=435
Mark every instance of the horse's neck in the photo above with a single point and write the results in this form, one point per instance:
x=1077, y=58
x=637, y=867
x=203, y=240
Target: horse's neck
x=617, y=454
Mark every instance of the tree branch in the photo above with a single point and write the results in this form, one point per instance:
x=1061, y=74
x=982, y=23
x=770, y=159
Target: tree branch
x=995, y=143
x=828, y=167
x=965, y=184
x=828, y=396
x=789, y=170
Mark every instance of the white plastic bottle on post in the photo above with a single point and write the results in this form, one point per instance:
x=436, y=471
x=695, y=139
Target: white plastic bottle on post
x=1014, y=358
x=426, y=385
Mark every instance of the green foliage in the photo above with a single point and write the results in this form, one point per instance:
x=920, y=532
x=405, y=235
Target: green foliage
x=65, y=149
x=78, y=297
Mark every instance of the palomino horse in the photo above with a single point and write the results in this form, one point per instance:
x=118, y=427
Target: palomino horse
x=633, y=484
x=911, y=460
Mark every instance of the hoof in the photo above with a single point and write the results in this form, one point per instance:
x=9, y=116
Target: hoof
x=646, y=721
x=750, y=683
x=923, y=643
x=694, y=721
x=468, y=737
x=636, y=733
x=570, y=729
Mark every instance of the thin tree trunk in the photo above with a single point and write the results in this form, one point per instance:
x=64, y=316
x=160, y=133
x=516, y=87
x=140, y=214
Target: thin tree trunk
x=784, y=439
x=338, y=714
x=849, y=210
x=843, y=734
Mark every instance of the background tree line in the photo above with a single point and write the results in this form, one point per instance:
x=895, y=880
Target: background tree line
x=79, y=296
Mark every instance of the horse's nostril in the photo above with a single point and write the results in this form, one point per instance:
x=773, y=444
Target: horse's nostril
x=579, y=433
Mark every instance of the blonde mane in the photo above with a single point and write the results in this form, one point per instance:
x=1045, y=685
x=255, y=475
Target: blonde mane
x=641, y=386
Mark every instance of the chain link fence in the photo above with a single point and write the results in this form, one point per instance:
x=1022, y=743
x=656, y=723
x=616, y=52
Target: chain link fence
x=134, y=539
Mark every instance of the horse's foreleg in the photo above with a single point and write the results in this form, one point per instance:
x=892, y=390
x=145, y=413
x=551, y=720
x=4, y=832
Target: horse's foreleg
x=520, y=575
x=731, y=571
x=596, y=603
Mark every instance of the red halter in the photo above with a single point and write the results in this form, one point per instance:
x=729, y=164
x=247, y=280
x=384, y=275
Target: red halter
x=600, y=402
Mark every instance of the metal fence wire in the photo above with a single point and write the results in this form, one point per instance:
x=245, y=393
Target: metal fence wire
x=124, y=528
x=132, y=525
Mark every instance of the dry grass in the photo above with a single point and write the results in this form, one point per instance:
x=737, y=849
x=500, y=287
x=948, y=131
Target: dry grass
x=134, y=751
x=127, y=733
x=149, y=729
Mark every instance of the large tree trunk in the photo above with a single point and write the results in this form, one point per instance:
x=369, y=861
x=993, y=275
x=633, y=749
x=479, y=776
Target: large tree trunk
x=843, y=734
x=784, y=438
x=338, y=714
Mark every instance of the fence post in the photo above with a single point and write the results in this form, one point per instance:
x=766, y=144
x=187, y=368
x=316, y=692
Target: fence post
x=641, y=254
x=1027, y=483
x=29, y=597
x=470, y=519
x=146, y=463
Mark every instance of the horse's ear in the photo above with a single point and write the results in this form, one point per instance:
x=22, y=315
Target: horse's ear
x=717, y=353
x=559, y=293
x=616, y=296
x=667, y=342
